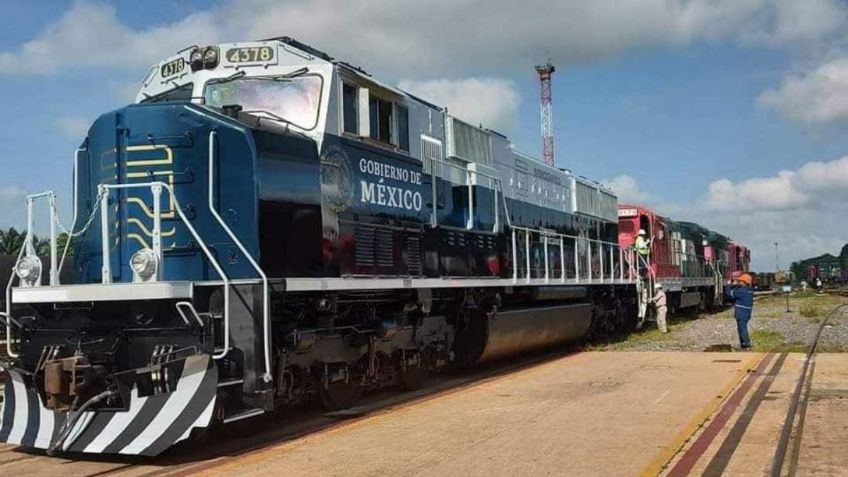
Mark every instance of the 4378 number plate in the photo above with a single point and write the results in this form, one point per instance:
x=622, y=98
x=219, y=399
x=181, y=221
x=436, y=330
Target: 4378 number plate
x=254, y=54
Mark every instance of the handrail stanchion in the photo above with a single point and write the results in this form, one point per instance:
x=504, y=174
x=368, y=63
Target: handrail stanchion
x=469, y=178
x=612, y=264
x=562, y=258
x=601, y=261
x=54, y=259
x=514, y=257
x=576, y=261
x=156, y=191
x=9, y=350
x=106, y=267
x=434, y=217
x=75, y=191
x=621, y=262
x=547, y=266
x=527, y=252
x=266, y=317
x=589, y=260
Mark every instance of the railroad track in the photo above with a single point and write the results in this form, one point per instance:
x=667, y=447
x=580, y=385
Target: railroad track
x=259, y=434
x=791, y=436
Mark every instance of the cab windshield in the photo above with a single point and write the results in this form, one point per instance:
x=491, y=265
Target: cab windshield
x=295, y=100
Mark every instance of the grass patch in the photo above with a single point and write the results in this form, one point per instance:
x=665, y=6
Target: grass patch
x=767, y=340
x=775, y=342
x=647, y=335
x=809, y=310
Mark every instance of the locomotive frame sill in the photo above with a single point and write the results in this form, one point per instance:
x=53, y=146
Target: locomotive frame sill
x=327, y=284
x=91, y=292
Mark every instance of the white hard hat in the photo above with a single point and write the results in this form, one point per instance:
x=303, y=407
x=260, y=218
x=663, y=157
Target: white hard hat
x=658, y=285
x=641, y=232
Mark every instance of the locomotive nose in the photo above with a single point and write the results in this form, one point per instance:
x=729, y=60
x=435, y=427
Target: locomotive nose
x=133, y=148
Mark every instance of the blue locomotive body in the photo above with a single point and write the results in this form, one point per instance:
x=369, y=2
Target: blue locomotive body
x=254, y=234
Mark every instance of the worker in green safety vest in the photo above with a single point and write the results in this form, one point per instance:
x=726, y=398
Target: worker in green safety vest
x=642, y=247
x=642, y=244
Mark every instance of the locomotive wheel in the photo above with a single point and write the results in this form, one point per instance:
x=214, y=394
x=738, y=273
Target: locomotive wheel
x=413, y=379
x=339, y=395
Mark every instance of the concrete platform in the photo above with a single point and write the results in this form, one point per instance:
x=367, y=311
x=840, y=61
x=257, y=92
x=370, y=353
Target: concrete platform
x=596, y=413
x=586, y=414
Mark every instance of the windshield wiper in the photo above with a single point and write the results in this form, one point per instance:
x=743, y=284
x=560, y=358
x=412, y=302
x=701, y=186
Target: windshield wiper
x=270, y=115
x=285, y=77
x=234, y=76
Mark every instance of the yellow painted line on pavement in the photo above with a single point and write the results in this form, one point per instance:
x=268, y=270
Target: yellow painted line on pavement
x=656, y=466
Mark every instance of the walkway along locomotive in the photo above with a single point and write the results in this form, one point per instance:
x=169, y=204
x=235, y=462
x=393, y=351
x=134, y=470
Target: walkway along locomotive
x=268, y=225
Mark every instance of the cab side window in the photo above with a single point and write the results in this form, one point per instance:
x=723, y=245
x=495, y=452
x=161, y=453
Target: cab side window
x=381, y=119
x=349, y=108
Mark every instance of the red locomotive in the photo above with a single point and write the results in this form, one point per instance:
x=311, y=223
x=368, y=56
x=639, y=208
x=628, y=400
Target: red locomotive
x=691, y=261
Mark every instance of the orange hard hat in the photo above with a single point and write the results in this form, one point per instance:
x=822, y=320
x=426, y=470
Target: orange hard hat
x=745, y=278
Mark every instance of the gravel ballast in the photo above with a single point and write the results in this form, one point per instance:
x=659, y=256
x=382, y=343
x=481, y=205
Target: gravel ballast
x=772, y=328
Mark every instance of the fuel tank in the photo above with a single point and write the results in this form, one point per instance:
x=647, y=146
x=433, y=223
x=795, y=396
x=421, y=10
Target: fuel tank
x=512, y=331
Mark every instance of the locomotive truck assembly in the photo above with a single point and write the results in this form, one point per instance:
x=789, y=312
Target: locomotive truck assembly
x=267, y=225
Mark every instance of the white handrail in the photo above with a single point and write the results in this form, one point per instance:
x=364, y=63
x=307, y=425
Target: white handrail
x=266, y=319
x=75, y=189
x=9, y=351
x=195, y=235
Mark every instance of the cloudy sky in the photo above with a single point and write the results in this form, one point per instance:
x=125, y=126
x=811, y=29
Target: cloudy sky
x=733, y=113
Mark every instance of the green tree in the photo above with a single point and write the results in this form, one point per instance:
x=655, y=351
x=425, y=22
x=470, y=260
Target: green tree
x=11, y=242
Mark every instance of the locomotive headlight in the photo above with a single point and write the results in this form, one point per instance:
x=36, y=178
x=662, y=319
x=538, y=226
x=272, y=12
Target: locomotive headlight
x=210, y=56
x=28, y=269
x=143, y=263
x=196, y=56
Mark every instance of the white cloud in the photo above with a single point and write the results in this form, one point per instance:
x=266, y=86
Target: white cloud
x=800, y=209
x=770, y=193
x=429, y=39
x=75, y=127
x=90, y=35
x=628, y=190
x=813, y=183
x=491, y=102
x=815, y=97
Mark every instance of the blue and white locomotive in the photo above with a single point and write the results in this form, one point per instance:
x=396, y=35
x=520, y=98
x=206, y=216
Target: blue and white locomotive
x=267, y=225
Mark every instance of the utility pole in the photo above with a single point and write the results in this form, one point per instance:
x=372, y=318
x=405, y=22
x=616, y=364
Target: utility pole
x=545, y=72
x=776, y=258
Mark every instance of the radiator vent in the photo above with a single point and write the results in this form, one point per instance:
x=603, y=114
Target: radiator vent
x=468, y=143
x=413, y=256
x=592, y=200
x=364, y=243
x=385, y=248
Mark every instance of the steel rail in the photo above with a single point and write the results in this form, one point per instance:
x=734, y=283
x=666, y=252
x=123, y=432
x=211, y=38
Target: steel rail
x=789, y=423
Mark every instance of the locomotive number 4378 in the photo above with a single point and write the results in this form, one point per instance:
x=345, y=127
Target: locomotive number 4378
x=256, y=54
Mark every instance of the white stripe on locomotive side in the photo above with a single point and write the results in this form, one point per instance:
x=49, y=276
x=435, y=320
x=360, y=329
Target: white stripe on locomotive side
x=202, y=421
x=117, y=424
x=19, y=425
x=78, y=428
x=187, y=386
x=45, y=429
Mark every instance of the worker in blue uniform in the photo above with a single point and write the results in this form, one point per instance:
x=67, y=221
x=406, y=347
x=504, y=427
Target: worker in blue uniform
x=742, y=295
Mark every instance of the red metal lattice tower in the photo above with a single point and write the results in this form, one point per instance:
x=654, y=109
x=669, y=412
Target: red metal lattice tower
x=545, y=72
